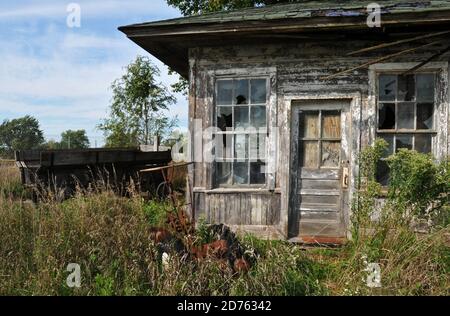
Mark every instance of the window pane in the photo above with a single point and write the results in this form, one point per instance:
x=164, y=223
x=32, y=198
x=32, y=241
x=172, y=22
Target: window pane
x=406, y=88
x=425, y=115
x=387, y=87
x=259, y=91
x=241, y=91
x=257, y=143
x=425, y=87
x=390, y=149
x=331, y=153
x=241, y=146
x=257, y=172
x=240, y=173
x=310, y=154
x=309, y=125
x=331, y=124
x=405, y=116
x=383, y=173
x=224, y=118
x=423, y=143
x=403, y=141
x=240, y=117
x=223, y=147
x=386, y=116
x=258, y=116
x=224, y=92
x=223, y=173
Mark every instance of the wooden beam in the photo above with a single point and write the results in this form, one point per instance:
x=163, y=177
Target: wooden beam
x=167, y=167
x=442, y=52
x=368, y=49
x=378, y=60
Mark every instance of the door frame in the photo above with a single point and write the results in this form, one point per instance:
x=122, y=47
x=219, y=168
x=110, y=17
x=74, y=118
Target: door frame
x=354, y=147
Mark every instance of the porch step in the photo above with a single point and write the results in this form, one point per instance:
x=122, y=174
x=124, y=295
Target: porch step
x=320, y=192
x=321, y=228
x=318, y=207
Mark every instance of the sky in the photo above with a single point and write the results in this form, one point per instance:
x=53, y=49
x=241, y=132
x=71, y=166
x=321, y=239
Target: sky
x=62, y=75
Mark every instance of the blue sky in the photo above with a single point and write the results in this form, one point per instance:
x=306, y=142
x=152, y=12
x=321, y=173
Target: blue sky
x=62, y=75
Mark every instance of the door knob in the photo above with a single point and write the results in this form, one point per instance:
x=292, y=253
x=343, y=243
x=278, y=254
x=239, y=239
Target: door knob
x=345, y=177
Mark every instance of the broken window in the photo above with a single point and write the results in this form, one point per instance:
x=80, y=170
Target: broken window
x=242, y=130
x=405, y=114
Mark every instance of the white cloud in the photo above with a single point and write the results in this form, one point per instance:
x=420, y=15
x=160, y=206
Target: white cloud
x=98, y=8
x=63, y=76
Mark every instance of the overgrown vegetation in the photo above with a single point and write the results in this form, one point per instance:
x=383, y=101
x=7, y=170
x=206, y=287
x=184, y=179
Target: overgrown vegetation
x=383, y=230
x=110, y=237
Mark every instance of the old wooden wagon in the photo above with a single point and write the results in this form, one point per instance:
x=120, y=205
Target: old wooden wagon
x=62, y=171
x=284, y=97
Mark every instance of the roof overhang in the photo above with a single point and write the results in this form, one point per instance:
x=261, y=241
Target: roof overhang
x=170, y=41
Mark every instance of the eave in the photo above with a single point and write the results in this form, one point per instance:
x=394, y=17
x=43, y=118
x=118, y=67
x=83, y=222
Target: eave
x=171, y=43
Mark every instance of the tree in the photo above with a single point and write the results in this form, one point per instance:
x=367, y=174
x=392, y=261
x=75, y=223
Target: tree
x=51, y=145
x=20, y=134
x=191, y=7
x=138, y=106
x=74, y=140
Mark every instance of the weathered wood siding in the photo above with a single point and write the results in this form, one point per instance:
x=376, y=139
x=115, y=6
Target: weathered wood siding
x=299, y=67
x=239, y=208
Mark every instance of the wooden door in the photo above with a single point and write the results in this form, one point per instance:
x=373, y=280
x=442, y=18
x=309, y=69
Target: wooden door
x=319, y=174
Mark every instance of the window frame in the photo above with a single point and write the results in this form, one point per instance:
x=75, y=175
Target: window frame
x=433, y=132
x=320, y=139
x=233, y=133
x=396, y=131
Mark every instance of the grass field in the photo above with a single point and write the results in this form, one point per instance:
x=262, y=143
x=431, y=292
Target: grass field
x=110, y=238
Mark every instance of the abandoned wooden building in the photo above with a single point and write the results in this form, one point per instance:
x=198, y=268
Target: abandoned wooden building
x=294, y=92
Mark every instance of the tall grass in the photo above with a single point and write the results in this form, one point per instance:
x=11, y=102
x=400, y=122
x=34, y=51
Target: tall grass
x=385, y=233
x=9, y=179
x=410, y=263
x=110, y=238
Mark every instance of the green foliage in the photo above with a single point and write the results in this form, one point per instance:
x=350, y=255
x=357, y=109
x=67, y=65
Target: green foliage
x=418, y=185
x=365, y=200
x=181, y=86
x=156, y=212
x=109, y=237
x=383, y=232
x=282, y=270
x=204, y=234
x=104, y=286
x=74, y=140
x=191, y=7
x=20, y=134
x=137, y=112
x=10, y=184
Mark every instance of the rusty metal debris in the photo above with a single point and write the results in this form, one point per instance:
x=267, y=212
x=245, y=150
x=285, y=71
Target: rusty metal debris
x=180, y=239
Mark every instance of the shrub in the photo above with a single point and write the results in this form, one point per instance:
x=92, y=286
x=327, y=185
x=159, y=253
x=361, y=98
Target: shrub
x=156, y=212
x=418, y=185
x=411, y=264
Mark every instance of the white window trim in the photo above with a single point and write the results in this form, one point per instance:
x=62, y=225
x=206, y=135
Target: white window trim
x=440, y=143
x=271, y=116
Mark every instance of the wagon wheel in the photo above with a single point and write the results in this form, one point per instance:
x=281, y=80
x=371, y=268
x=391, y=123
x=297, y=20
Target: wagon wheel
x=163, y=190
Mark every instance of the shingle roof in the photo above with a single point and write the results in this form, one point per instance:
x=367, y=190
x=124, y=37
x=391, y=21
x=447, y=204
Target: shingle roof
x=304, y=9
x=170, y=40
